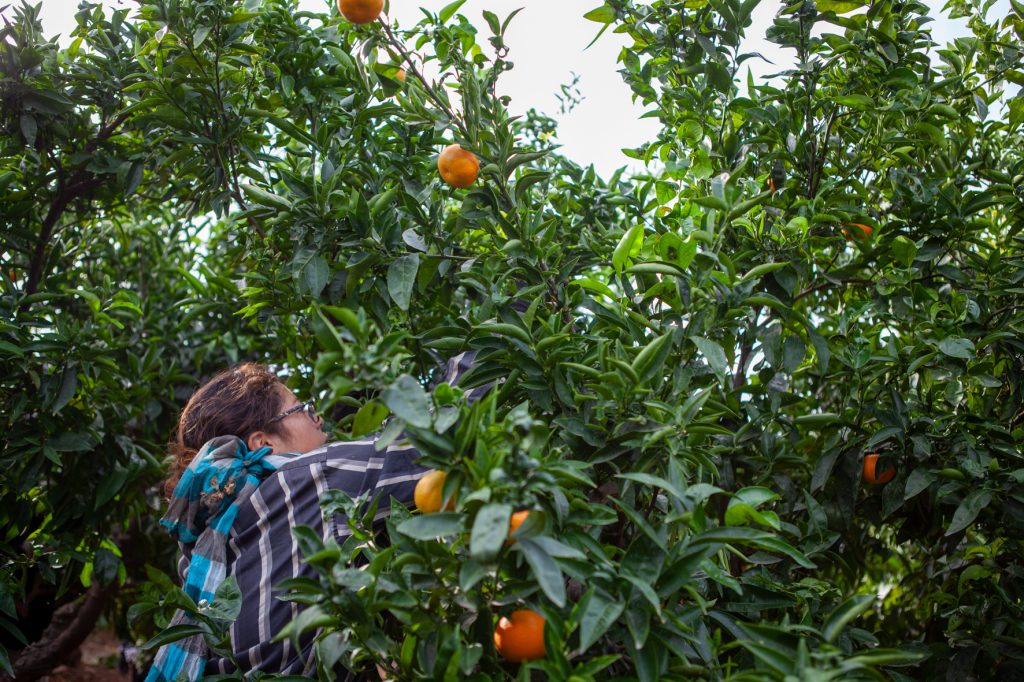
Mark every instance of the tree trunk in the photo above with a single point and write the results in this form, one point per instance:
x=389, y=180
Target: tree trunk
x=71, y=624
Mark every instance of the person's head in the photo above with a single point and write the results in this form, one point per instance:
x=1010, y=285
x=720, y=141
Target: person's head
x=247, y=401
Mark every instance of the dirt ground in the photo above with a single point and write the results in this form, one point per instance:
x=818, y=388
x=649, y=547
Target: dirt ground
x=97, y=664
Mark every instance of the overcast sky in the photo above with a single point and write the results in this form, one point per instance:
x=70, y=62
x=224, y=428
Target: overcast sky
x=547, y=41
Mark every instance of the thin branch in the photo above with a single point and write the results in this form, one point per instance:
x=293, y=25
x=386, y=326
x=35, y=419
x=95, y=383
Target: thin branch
x=826, y=285
x=740, y=375
x=65, y=195
x=407, y=58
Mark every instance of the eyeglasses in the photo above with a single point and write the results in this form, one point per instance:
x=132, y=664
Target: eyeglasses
x=306, y=407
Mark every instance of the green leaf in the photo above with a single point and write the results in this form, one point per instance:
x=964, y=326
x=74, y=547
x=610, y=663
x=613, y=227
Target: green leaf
x=859, y=102
x=503, y=329
x=968, y=510
x=265, y=198
x=719, y=77
x=893, y=657
x=68, y=386
x=369, y=417
x=883, y=435
x=402, y=278
x=110, y=485
x=72, y=442
x=315, y=274
x=844, y=613
x=430, y=526
x=28, y=129
x=5, y=661
x=200, y=34
x=134, y=178
x=712, y=352
x=651, y=358
x=756, y=495
x=820, y=419
x=492, y=22
x=839, y=6
x=408, y=401
x=548, y=575
x=600, y=611
x=656, y=482
x=628, y=245
x=741, y=514
x=449, y=10
x=227, y=601
x=762, y=270
x=592, y=285
x=490, y=529
x=904, y=250
x=605, y=14
x=957, y=348
x=471, y=573
x=918, y=482
x=172, y=634
x=711, y=202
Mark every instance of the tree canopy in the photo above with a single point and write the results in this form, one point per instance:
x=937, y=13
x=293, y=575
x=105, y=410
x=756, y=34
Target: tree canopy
x=762, y=401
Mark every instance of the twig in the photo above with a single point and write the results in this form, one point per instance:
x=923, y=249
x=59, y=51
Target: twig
x=825, y=285
x=740, y=375
x=440, y=103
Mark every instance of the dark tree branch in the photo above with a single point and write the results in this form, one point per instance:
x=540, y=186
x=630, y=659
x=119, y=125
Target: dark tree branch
x=739, y=377
x=78, y=186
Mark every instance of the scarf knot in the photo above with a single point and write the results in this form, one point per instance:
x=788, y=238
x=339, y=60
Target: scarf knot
x=211, y=483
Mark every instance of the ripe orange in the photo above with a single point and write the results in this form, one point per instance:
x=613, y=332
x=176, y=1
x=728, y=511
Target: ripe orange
x=871, y=475
x=400, y=75
x=520, y=636
x=360, y=11
x=428, y=493
x=459, y=167
x=865, y=231
x=514, y=523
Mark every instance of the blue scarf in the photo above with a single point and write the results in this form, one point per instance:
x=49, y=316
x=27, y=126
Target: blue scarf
x=203, y=506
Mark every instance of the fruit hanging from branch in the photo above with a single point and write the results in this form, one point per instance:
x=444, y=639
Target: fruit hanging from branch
x=520, y=636
x=871, y=473
x=428, y=495
x=361, y=11
x=458, y=167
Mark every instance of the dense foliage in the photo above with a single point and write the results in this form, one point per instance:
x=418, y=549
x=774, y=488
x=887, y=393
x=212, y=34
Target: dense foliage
x=689, y=365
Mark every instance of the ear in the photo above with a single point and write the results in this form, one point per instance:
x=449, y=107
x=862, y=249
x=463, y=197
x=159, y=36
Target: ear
x=259, y=439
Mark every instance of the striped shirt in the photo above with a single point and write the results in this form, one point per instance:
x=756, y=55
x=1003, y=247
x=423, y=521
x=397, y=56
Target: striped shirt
x=262, y=551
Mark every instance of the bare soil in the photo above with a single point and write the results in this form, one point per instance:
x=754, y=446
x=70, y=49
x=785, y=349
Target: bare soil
x=98, y=662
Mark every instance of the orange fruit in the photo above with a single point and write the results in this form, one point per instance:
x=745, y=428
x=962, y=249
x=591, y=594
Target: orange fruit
x=429, y=490
x=520, y=636
x=865, y=231
x=400, y=75
x=871, y=474
x=514, y=523
x=459, y=167
x=361, y=11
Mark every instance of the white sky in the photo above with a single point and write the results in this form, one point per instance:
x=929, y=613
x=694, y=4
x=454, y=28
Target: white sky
x=547, y=41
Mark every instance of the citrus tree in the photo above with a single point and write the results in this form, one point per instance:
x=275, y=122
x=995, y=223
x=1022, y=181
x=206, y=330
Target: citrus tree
x=752, y=413
x=112, y=308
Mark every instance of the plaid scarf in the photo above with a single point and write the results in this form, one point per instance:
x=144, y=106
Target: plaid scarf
x=203, y=506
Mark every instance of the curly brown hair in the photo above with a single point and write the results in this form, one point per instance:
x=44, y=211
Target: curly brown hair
x=235, y=402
